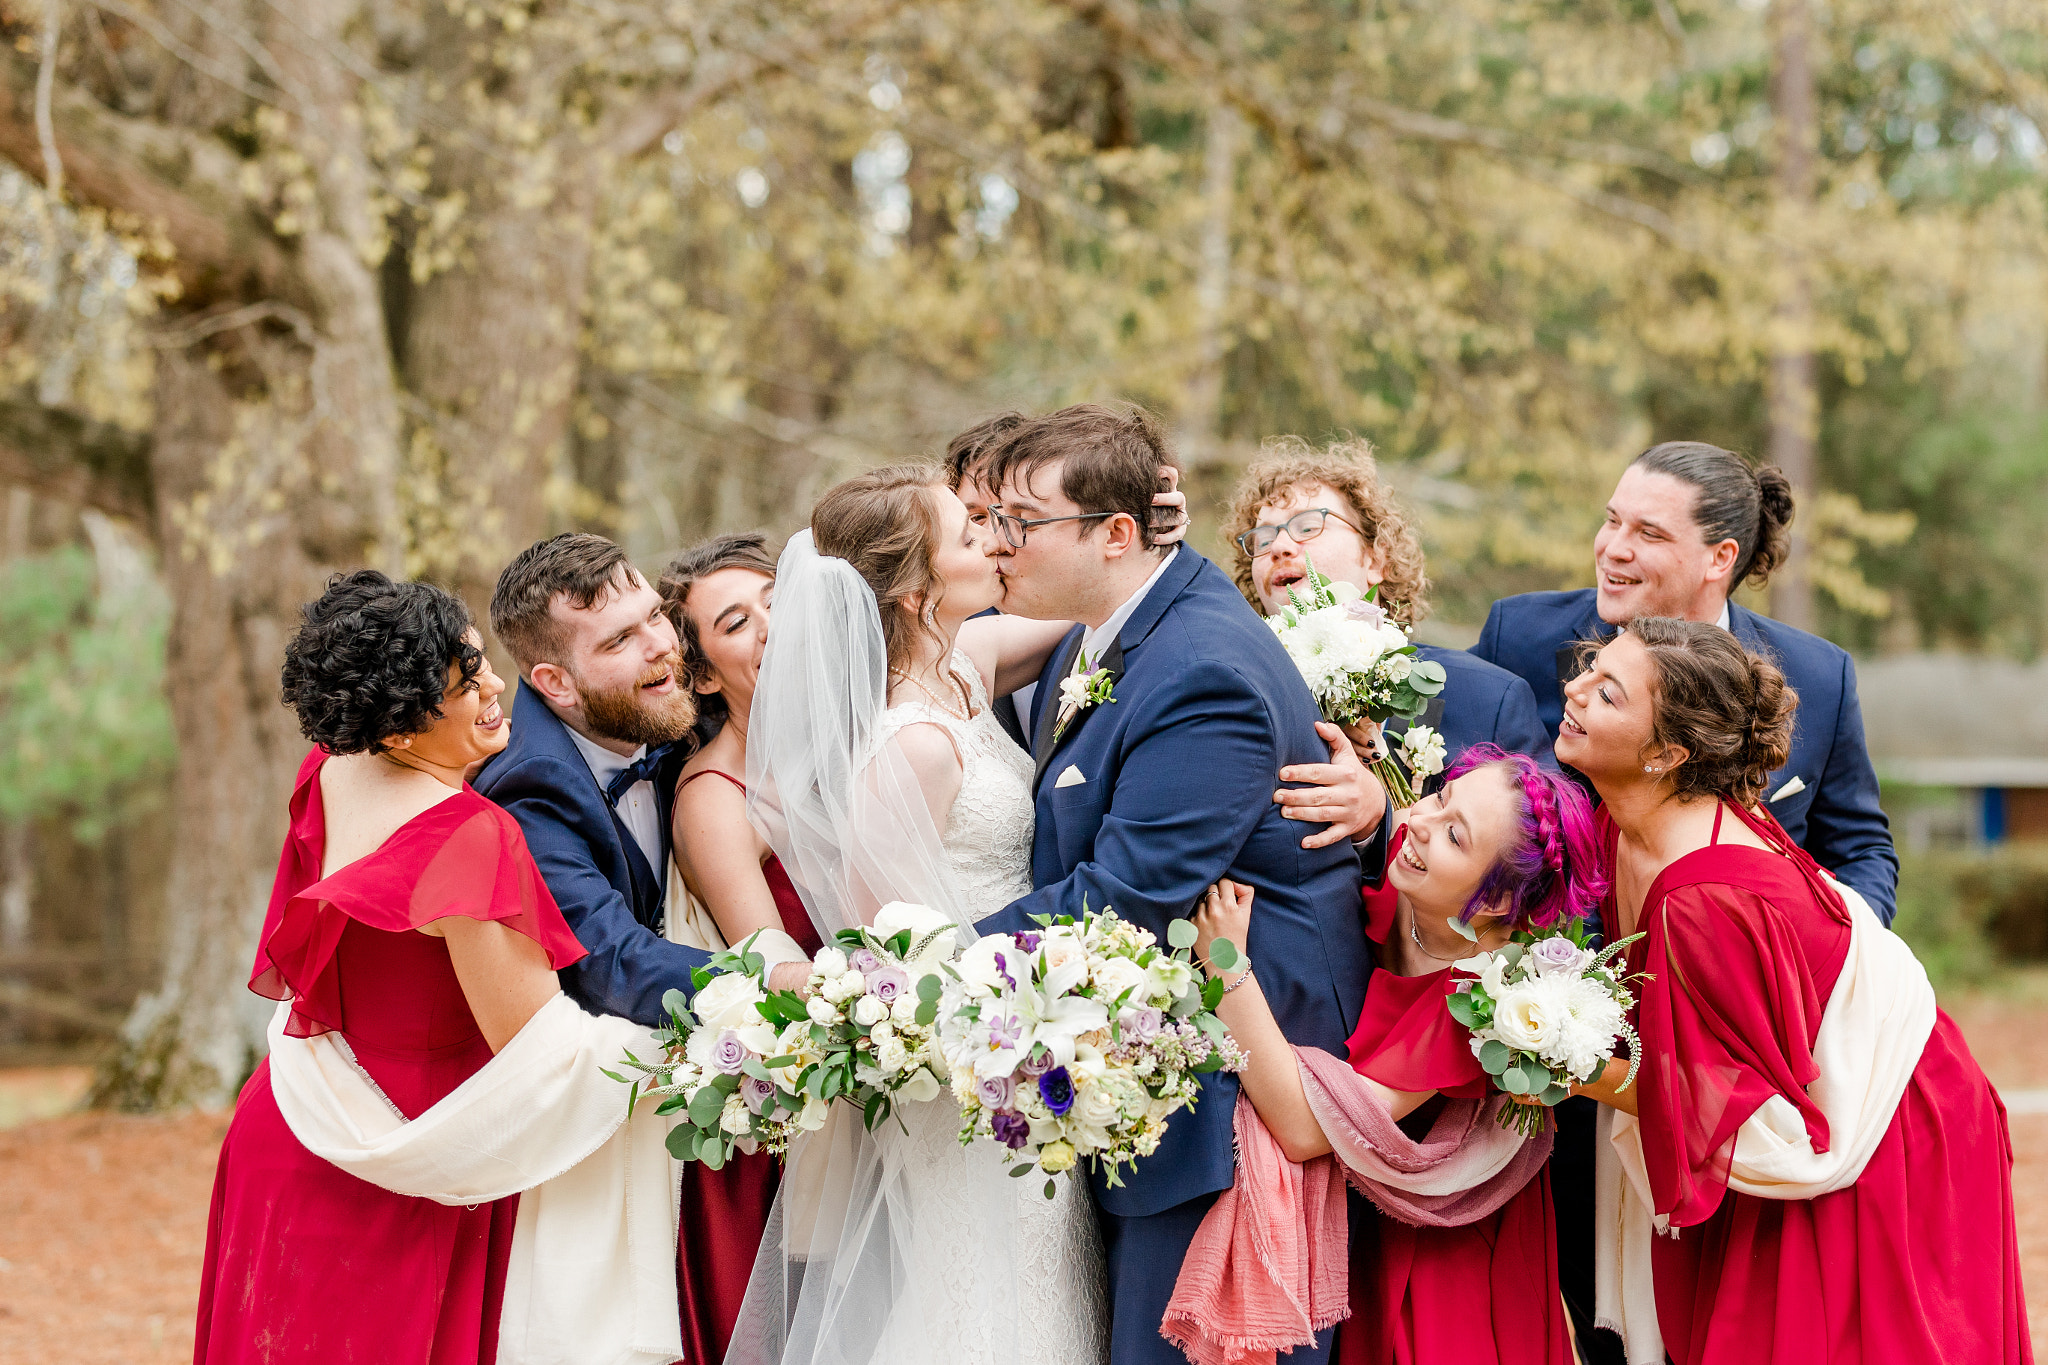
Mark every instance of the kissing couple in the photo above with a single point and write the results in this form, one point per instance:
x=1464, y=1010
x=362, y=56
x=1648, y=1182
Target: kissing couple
x=1161, y=711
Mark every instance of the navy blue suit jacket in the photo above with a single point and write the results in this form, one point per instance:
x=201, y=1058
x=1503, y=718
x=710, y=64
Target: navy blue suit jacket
x=1481, y=703
x=596, y=872
x=1177, y=791
x=1835, y=816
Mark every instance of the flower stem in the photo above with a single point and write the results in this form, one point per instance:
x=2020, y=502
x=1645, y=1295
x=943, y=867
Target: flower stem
x=1395, y=781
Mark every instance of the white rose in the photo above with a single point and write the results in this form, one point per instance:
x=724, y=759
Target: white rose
x=920, y=920
x=1096, y=1106
x=868, y=1011
x=1115, y=975
x=1074, y=690
x=820, y=1009
x=734, y=1118
x=727, y=1001
x=1399, y=666
x=1530, y=1015
x=1062, y=949
x=921, y=1087
x=890, y=1055
x=829, y=962
x=697, y=1047
x=843, y=987
x=883, y=1030
x=758, y=1037
x=904, y=1011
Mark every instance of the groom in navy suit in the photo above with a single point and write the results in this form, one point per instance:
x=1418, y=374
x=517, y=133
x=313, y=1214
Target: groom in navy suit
x=590, y=773
x=1148, y=798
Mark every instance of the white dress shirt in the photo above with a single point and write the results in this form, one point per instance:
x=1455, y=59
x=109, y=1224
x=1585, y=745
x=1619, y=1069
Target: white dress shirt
x=637, y=808
x=1095, y=639
x=1723, y=622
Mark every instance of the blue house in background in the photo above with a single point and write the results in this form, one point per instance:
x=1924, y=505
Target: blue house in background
x=1977, y=727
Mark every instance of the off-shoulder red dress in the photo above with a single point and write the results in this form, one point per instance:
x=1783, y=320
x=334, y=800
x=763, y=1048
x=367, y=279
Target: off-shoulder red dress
x=1482, y=1294
x=1917, y=1263
x=305, y=1263
x=724, y=1213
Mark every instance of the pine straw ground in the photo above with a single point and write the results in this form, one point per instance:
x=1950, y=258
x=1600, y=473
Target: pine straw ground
x=103, y=1217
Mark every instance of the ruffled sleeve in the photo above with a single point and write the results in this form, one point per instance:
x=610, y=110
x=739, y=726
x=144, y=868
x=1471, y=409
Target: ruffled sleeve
x=1407, y=1040
x=463, y=857
x=1728, y=1019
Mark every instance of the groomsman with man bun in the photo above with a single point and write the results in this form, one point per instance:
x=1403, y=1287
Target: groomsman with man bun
x=1687, y=525
x=1298, y=504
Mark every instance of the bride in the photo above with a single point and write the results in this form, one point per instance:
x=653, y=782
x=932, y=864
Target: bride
x=878, y=773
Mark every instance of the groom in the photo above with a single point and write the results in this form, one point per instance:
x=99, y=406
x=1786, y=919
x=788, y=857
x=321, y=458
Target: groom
x=1145, y=800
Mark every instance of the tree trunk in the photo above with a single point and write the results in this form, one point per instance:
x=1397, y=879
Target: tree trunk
x=1793, y=394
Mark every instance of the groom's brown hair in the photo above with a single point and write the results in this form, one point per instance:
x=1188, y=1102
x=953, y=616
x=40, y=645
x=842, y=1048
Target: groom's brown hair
x=576, y=565
x=1109, y=459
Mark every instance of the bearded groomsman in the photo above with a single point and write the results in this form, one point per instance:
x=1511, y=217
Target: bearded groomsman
x=1298, y=504
x=598, y=739
x=1687, y=525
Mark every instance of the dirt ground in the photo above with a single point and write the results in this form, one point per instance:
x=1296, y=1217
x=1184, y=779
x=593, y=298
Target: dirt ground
x=103, y=1217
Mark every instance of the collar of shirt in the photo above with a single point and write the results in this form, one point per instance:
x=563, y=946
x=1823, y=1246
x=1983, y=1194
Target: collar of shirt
x=1723, y=621
x=1095, y=639
x=604, y=764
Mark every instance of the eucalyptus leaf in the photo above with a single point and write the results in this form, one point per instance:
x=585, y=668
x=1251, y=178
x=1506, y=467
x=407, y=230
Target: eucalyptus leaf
x=930, y=988
x=704, y=1109
x=1462, y=929
x=1556, y=1094
x=1463, y=1010
x=675, y=1002
x=713, y=1153
x=1181, y=933
x=1495, y=1055
x=1514, y=1081
x=1018, y=1170
x=927, y=1011
x=1223, y=953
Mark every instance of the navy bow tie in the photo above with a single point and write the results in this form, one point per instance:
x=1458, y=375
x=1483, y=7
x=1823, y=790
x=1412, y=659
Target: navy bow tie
x=640, y=771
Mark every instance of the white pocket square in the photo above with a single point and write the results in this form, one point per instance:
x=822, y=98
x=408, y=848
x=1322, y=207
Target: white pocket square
x=1792, y=788
x=1070, y=778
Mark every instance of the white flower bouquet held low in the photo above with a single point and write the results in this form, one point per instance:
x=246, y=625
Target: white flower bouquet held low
x=750, y=1068
x=1362, y=666
x=1078, y=1040
x=1545, y=1011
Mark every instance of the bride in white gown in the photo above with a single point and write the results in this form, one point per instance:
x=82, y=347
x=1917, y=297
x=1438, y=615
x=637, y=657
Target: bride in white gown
x=878, y=772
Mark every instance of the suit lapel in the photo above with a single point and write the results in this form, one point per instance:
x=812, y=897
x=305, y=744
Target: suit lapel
x=1052, y=738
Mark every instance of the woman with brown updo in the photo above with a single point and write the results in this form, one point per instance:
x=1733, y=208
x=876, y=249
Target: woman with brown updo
x=1830, y=1167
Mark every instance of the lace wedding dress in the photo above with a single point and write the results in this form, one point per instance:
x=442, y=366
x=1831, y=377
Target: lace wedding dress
x=1034, y=1292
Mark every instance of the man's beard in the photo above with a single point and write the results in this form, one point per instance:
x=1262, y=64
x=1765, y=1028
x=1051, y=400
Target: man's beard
x=632, y=717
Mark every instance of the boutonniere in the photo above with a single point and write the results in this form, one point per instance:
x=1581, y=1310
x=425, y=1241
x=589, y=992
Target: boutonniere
x=1079, y=691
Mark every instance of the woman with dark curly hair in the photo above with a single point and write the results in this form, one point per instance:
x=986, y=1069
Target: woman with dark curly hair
x=408, y=919
x=1831, y=1166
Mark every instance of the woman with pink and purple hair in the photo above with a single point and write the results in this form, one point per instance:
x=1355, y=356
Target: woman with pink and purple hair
x=1504, y=845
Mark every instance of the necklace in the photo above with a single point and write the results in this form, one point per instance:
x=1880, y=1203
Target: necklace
x=1416, y=935
x=937, y=701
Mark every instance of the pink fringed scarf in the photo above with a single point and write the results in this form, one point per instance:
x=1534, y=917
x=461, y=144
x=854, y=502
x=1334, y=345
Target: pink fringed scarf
x=1268, y=1268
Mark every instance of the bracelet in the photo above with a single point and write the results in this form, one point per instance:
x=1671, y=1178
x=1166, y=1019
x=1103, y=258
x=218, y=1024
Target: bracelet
x=1242, y=977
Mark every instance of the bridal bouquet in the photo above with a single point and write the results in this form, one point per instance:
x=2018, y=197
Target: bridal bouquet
x=1078, y=1040
x=1545, y=1011
x=750, y=1068
x=1362, y=666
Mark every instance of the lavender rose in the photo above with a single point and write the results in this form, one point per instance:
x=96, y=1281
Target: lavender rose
x=756, y=1092
x=729, y=1054
x=1035, y=1065
x=887, y=984
x=996, y=1092
x=1368, y=612
x=1140, y=1023
x=1557, y=957
x=1056, y=1088
x=1011, y=1129
x=865, y=961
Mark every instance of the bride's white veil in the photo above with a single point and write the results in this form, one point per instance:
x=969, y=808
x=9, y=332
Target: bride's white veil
x=870, y=1242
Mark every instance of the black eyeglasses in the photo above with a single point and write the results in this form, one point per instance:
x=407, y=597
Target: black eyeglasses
x=1304, y=526
x=1015, y=528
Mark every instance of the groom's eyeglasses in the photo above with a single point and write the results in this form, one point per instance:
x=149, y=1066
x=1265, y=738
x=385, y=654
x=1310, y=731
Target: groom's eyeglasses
x=1303, y=526
x=1015, y=528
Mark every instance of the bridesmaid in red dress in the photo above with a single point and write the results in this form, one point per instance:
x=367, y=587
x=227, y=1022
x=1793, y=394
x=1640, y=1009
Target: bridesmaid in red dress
x=407, y=916
x=718, y=595
x=1504, y=845
x=1916, y=1262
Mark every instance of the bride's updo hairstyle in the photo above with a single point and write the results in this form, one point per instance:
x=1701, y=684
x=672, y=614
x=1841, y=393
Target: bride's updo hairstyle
x=886, y=525
x=1752, y=507
x=1729, y=709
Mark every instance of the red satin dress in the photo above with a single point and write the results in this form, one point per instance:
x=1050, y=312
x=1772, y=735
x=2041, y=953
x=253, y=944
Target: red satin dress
x=1482, y=1294
x=724, y=1213
x=1917, y=1263
x=304, y=1262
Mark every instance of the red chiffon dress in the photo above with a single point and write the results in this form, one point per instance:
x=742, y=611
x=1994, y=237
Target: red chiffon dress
x=1482, y=1294
x=1917, y=1263
x=724, y=1213
x=305, y=1263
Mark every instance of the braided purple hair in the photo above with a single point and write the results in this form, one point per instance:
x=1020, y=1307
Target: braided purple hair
x=1551, y=871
